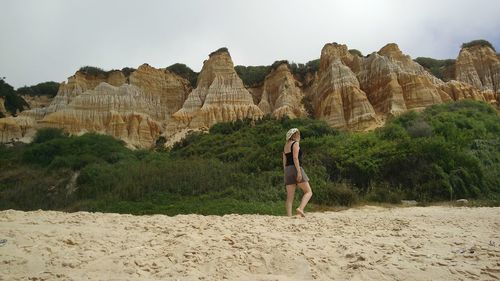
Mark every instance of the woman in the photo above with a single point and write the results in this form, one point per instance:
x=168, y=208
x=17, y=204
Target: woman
x=294, y=174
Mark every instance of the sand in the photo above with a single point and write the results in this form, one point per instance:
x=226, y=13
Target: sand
x=366, y=243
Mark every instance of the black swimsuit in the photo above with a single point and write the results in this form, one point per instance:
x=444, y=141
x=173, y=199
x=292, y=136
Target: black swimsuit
x=289, y=156
x=290, y=171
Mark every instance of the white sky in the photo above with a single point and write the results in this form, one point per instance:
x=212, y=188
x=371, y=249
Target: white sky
x=48, y=40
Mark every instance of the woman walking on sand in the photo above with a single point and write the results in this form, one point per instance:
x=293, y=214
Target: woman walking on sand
x=294, y=174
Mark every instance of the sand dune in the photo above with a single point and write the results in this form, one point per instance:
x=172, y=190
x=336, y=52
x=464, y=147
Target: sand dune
x=368, y=243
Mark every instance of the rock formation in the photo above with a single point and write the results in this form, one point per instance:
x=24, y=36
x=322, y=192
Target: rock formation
x=123, y=112
x=18, y=128
x=219, y=96
x=133, y=108
x=2, y=107
x=38, y=101
x=394, y=83
x=337, y=96
x=457, y=90
x=280, y=94
x=479, y=66
x=76, y=85
x=164, y=89
x=348, y=91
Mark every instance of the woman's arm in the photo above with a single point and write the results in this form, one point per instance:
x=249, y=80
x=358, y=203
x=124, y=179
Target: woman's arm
x=284, y=159
x=296, y=149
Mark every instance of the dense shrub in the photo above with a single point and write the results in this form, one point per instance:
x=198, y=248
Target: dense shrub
x=252, y=76
x=336, y=194
x=479, y=42
x=220, y=50
x=47, y=134
x=185, y=72
x=56, y=150
x=355, y=52
x=42, y=89
x=436, y=67
x=13, y=103
x=127, y=71
x=92, y=70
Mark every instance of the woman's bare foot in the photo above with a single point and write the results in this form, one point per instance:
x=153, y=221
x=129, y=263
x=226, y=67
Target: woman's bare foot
x=300, y=212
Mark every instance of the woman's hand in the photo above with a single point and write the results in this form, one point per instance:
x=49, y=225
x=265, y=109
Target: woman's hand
x=299, y=177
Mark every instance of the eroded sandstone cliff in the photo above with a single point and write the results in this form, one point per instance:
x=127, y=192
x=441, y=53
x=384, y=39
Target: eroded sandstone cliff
x=281, y=95
x=394, y=83
x=479, y=66
x=337, y=96
x=123, y=112
x=348, y=91
x=219, y=96
x=131, y=107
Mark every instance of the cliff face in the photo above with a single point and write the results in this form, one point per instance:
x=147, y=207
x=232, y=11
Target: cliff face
x=76, y=85
x=133, y=108
x=165, y=90
x=280, y=94
x=337, y=96
x=38, y=101
x=479, y=66
x=18, y=128
x=394, y=83
x=219, y=96
x=356, y=92
x=347, y=91
x=2, y=107
x=457, y=90
x=123, y=112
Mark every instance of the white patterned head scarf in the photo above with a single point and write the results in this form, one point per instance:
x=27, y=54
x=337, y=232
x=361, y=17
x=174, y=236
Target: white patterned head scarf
x=290, y=133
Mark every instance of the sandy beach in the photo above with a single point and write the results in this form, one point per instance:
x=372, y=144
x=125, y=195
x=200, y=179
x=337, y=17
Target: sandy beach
x=366, y=243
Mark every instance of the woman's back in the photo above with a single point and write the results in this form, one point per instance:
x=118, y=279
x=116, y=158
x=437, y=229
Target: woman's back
x=288, y=150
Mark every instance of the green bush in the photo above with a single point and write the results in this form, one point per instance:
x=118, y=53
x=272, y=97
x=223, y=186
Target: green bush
x=47, y=134
x=127, y=71
x=336, y=194
x=92, y=70
x=436, y=67
x=384, y=194
x=355, y=52
x=479, y=42
x=252, y=76
x=34, y=188
x=13, y=103
x=42, y=89
x=220, y=50
x=185, y=72
x=73, y=152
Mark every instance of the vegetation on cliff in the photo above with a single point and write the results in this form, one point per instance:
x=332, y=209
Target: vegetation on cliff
x=446, y=152
x=185, y=72
x=13, y=102
x=48, y=88
x=356, y=52
x=438, y=68
x=479, y=42
x=253, y=76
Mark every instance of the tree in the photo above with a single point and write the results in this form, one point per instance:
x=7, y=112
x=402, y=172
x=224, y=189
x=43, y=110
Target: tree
x=13, y=102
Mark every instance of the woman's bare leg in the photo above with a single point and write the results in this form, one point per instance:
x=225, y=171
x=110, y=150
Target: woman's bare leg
x=306, y=188
x=290, y=194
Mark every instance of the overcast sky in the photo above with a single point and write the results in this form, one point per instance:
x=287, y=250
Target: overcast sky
x=48, y=40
